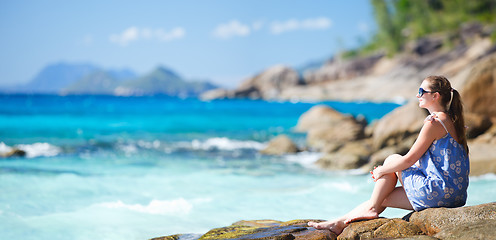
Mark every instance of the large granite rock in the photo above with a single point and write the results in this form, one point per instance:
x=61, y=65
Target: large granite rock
x=482, y=158
x=380, y=228
x=338, y=69
x=398, y=125
x=471, y=222
x=481, y=229
x=477, y=124
x=489, y=136
x=436, y=220
x=479, y=94
x=326, y=126
x=268, y=229
x=282, y=144
x=268, y=84
x=349, y=155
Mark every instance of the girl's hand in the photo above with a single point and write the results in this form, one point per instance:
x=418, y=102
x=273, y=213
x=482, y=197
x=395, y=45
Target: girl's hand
x=376, y=173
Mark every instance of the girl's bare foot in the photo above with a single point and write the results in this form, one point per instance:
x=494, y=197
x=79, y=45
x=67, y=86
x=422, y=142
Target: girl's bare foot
x=335, y=226
x=365, y=214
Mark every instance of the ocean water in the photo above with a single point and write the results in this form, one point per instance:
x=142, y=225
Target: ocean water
x=104, y=167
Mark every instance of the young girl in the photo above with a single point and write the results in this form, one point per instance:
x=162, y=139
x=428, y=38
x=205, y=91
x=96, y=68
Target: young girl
x=434, y=173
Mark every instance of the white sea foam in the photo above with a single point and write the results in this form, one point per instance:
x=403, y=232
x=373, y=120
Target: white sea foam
x=128, y=149
x=155, y=207
x=4, y=148
x=149, y=145
x=225, y=144
x=305, y=158
x=34, y=150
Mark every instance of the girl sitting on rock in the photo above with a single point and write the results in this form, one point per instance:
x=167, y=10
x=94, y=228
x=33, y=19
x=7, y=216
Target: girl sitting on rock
x=434, y=172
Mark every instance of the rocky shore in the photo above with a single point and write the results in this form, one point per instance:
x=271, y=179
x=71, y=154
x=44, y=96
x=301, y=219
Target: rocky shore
x=470, y=222
x=347, y=142
x=376, y=77
x=350, y=143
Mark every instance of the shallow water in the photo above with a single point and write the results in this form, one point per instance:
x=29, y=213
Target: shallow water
x=102, y=167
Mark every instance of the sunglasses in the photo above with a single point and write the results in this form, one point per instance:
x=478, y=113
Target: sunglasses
x=422, y=91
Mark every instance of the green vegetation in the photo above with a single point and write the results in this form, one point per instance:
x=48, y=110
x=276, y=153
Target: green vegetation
x=400, y=21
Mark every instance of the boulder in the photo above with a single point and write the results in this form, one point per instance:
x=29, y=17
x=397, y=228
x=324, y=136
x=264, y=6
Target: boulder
x=282, y=144
x=320, y=115
x=321, y=136
x=350, y=155
x=380, y=228
x=471, y=222
x=378, y=157
x=269, y=229
x=268, y=84
x=481, y=229
x=218, y=93
x=479, y=92
x=396, y=126
x=338, y=161
x=325, y=125
x=482, y=158
x=435, y=220
x=338, y=69
x=489, y=136
x=476, y=124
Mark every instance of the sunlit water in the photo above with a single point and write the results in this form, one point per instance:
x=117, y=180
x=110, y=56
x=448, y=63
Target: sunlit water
x=100, y=167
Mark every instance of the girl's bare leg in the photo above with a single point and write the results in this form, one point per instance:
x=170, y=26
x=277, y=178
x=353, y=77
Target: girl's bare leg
x=369, y=209
x=385, y=188
x=374, y=206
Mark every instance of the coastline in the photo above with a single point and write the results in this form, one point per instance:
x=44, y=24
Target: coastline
x=470, y=222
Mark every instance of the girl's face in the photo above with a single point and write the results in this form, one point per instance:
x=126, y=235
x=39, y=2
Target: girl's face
x=425, y=96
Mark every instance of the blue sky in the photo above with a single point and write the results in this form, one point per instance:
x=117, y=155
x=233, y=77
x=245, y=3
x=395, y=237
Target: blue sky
x=224, y=41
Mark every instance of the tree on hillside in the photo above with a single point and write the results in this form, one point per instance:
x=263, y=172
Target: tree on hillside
x=401, y=20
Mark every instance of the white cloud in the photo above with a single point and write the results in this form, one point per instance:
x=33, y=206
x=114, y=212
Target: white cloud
x=176, y=33
x=295, y=24
x=231, y=29
x=128, y=35
x=132, y=34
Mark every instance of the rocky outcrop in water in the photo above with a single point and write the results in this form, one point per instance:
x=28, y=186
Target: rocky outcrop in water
x=471, y=222
x=282, y=144
x=266, y=85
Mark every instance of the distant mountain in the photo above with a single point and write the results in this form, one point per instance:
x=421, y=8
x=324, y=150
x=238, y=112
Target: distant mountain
x=163, y=81
x=65, y=78
x=123, y=74
x=56, y=76
x=97, y=82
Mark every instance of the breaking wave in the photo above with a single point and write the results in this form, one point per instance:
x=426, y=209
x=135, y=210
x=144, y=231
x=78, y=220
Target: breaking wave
x=33, y=150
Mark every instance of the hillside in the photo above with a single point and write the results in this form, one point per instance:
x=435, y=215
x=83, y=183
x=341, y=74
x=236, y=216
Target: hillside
x=75, y=78
x=414, y=39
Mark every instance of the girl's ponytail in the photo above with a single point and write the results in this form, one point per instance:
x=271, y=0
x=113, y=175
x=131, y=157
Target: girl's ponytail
x=451, y=99
x=455, y=111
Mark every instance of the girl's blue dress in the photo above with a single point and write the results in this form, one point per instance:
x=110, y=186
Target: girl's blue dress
x=442, y=178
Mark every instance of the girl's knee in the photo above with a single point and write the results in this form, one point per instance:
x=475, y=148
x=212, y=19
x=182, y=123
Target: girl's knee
x=390, y=158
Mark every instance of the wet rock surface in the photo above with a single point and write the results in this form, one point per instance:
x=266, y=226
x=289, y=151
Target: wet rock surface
x=470, y=222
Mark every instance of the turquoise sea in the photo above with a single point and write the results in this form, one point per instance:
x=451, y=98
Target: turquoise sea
x=105, y=167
